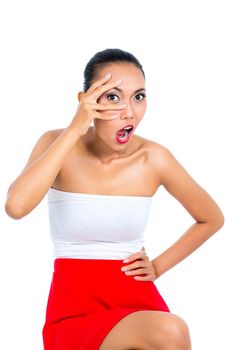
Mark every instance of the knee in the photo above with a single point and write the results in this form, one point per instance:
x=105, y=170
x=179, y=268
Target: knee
x=176, y=332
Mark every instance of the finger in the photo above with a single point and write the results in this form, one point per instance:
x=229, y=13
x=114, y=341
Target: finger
x=135, y=271
x=107, y=106
x=143, y=278
x=103, y=88
x=106, y=117
x=133, y=257
x=134, y=266
x=145, y=256
x=99, y=82
x=143, y=250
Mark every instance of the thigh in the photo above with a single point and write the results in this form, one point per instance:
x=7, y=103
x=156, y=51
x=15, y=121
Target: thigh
x=140, y=329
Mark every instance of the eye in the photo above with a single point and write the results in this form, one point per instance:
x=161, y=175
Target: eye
x=112, y=95
x=143, y=95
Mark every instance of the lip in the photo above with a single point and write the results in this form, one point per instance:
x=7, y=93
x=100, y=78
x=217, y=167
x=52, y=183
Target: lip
x=129, y=135
x=125, y=141
x=126, y=126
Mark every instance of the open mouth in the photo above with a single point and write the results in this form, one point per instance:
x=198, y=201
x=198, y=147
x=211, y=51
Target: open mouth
x=123, y=134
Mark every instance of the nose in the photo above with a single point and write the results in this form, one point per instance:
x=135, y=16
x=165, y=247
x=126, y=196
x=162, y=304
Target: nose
x=127, y=112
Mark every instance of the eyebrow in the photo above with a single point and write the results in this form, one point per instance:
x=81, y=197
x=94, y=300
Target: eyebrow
x=116, y=88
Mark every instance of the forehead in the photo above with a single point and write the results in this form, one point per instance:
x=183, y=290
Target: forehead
x=130, y=75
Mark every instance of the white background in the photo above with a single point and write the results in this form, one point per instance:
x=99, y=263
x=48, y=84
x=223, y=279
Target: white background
x=185, y=48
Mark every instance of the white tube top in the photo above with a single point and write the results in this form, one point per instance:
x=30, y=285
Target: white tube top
x=93, y=226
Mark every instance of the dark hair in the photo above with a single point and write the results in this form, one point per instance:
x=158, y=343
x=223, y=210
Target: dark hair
x=102, y=58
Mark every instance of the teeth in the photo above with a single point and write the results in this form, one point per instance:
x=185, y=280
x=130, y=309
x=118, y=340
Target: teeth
x=126, y=129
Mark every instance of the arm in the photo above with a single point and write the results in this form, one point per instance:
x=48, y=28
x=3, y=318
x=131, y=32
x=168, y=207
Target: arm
x=206, y=213
x=48, y=154
x=43, y=165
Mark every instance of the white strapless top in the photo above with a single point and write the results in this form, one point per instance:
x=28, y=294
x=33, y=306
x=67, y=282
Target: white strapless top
x=94, y=226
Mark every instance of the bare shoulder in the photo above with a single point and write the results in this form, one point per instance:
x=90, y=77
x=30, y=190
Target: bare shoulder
x=182, y=186
x=158, y=154
x=158, y=151
x=43, y=142
x=48, y=137
x=51, y=134
x=160, y=158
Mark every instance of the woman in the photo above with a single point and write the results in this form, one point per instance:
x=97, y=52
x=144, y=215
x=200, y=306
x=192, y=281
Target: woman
x=100, y=182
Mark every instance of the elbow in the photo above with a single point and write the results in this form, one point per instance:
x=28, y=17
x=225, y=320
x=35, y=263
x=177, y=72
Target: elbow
x=215, y=223
x=13, y=212
x=16, y=207
x=218, y=221
x=221, y=221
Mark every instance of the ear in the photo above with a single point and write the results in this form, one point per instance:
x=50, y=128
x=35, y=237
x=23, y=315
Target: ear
x=80, y=95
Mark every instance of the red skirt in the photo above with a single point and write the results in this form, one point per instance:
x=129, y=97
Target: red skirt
x=88, y=297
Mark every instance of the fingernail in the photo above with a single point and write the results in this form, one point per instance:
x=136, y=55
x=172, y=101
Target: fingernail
x=118, y=81
x=125, y=260
x=114, y=116
x=107, y=76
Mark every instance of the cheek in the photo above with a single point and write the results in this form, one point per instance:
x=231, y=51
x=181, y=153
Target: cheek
x=103, y=127
x=139, y=107
x=140, y=113
x=142, y=108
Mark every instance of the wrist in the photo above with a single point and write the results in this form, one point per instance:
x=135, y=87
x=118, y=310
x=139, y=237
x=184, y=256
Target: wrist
x=73, y=131
x=157, y=274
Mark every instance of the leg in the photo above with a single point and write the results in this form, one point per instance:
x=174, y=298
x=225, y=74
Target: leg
x=148, y=330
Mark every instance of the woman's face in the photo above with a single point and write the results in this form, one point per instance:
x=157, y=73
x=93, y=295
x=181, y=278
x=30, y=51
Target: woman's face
x=131, y=92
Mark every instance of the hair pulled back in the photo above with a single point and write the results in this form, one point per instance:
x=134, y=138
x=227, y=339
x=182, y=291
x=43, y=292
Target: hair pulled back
x=102, y=58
